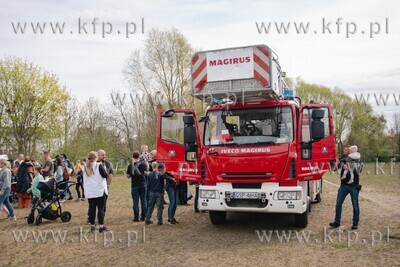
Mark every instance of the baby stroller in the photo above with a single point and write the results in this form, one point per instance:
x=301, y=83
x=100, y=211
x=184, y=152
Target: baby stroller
x=51, y=192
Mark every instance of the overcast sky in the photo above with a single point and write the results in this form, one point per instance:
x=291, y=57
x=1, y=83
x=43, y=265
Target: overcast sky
x=90, y=65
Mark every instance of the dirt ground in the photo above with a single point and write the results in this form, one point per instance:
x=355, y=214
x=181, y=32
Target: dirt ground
x=196, y=242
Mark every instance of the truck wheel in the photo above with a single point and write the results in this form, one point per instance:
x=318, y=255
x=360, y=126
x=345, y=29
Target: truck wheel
x=217, y=217
x=301, y=220
x=318, y=198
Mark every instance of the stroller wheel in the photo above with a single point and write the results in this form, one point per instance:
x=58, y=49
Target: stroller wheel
x=38, y=219
x=31, y=218
x=66, y=216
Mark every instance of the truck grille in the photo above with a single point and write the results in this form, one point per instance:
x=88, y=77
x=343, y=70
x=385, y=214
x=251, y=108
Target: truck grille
x=246, y=203
x=246, y=185
x=246, y=175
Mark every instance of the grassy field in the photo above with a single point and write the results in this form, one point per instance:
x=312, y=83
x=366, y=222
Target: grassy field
x=196, y=242
x=373, y=181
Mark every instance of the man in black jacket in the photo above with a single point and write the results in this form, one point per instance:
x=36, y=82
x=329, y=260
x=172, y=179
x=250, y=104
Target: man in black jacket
x=137, y=173
x=101, y=157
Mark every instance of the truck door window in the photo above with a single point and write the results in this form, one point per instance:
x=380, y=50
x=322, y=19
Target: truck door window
x=172, y=128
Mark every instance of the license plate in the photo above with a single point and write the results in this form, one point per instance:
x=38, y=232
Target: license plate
x=244, y=195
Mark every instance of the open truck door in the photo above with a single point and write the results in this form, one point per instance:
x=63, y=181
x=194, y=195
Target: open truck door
x=178, y=143
x=317, y=151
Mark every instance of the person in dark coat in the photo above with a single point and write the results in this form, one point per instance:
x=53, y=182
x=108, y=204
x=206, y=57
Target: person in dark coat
x=24, y=179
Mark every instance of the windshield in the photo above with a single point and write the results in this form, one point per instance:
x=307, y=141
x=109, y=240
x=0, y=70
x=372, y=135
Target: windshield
x=272, y=125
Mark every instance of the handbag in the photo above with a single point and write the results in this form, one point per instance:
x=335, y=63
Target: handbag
x=66, y=174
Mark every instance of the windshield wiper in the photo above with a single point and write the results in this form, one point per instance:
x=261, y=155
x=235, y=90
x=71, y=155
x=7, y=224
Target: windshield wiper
x=231, y=144
x=262, y=143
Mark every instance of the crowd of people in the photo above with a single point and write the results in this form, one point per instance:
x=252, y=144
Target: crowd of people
x=149, y=182
x=94, y=174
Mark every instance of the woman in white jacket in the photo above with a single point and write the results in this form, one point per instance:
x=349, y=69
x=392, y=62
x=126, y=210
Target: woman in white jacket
x=96, y=189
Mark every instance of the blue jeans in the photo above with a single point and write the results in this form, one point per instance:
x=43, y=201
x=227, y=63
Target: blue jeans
x=343, y=191
x=173, y=202
x=139, y=193
x=147, y=197
x=4, y=199
x=156, y=198
x=69, y=192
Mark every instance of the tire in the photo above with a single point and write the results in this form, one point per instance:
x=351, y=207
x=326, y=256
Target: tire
x=66, y=216
x=318, y=198
x=301, y=220
x=309, y=193
x=31, y=218
x=322, y=182
x=38, y=219
x=217, y=217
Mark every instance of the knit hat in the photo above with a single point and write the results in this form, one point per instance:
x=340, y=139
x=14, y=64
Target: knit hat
x=353, y=149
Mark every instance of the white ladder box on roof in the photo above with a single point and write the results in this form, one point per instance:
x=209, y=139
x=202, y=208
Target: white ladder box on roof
x=249, y=73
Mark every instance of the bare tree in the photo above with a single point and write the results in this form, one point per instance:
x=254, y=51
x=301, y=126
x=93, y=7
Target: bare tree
x=158, y=77
x=122, y=117
x=396, y=133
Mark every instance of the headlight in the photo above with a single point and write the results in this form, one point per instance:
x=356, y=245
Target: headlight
x=289, y=195
x=208, y=194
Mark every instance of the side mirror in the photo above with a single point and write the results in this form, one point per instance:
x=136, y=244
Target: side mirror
x=189, y=135
x=317, y=130
x=317, y=126
x=204, y=118
x=318, y=114
x=168, y=113
x=189, y=132
x=188, y=120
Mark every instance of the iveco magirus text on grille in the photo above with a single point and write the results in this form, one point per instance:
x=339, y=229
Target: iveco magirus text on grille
x=261, y=149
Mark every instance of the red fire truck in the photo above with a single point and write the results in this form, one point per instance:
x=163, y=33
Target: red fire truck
x=261, y=148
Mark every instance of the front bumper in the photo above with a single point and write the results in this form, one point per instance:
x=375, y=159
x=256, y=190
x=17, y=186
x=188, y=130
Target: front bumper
x=267, y=202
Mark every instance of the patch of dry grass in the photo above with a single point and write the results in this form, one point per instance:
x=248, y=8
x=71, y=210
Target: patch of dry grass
x=195, y=241
x=373, y=180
